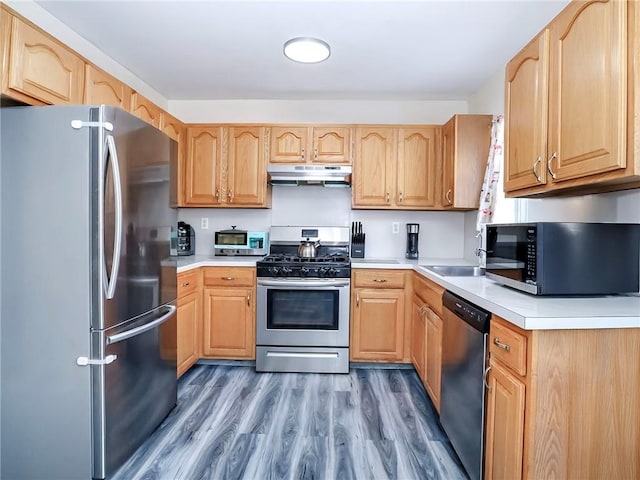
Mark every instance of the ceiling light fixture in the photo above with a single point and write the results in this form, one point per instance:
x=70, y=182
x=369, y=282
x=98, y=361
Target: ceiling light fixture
x=307, y=50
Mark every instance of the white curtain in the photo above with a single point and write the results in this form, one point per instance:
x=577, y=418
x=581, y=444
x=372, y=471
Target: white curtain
x=491, y=183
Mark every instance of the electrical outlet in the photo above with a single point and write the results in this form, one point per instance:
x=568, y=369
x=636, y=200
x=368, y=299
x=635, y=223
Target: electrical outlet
x=204, y=223
x=395, y=227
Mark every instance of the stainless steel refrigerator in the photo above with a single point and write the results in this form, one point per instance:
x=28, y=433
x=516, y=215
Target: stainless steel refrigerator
x=88, y=288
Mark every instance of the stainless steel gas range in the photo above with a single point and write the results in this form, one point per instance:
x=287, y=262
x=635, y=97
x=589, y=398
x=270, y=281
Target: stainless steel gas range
x=302, y=321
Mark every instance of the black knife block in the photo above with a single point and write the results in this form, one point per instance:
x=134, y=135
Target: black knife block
x=357, y=248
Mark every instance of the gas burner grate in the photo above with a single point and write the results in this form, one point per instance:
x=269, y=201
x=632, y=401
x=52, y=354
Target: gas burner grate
x=284, y=258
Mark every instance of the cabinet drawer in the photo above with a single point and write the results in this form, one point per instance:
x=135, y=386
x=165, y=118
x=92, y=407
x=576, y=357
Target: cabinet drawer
x=509, y=347
x=428, y=292
x=229, y=277
x=188, y=282
x=378, y=278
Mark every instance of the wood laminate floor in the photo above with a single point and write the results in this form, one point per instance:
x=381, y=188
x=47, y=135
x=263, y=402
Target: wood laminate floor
x=234, y=423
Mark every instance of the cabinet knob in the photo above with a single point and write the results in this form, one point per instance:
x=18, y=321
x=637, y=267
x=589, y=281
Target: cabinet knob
x=380, y=280
x=535, y=173
x=551, y=158
x=303, y=154
x=228, y=278
x=186, y=284
x=357, y=299
x=248, y=300
x=315, y=153
x=499, y=344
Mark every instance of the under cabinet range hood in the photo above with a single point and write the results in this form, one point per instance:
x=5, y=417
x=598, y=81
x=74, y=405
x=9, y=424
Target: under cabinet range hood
x=319, y=175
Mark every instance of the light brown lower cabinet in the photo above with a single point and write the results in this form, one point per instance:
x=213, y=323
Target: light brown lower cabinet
x=418, y=337
x=189, y=326
x=563, y=403
x=377, y=315
x=433, y=351
x=229, y=313
x=189, y=319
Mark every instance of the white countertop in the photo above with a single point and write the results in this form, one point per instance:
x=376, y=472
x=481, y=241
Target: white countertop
x=527, y=311
x=195, y=261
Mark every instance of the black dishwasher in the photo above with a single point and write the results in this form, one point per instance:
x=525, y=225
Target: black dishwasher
x=464, y=360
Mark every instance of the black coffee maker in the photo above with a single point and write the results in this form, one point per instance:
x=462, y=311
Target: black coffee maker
x=186, y=239
x=412, y=240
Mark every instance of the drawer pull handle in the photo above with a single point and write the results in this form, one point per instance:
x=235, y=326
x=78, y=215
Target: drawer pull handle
x=248, y=300
x=499, y=344
x=357, y=299
x=379, y=280
x=186, y=284
x=229, y=278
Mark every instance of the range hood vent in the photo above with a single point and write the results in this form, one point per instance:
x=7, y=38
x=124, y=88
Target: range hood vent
x=311, y=175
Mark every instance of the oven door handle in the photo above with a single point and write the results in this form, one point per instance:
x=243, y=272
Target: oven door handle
x=304, y=283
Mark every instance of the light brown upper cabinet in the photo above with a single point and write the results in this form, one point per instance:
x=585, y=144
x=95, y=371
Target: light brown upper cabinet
x=102, y=88
x=145, y=109
x=226, y=167
x=465, y=148
x=175, y=129
x=571, y=107
x=247, y=167
x=395, y=168
x=39, y=69
x=203, y=166
x=310, y=144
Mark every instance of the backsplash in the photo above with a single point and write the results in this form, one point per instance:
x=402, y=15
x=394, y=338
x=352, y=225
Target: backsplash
x=441, y=233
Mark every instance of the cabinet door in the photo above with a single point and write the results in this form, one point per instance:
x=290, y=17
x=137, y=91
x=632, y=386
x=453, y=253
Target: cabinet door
x=504, y=437
x=374, y=167
x=377, y=325
x=203, y=166
x=102, y=88
x=433, y=367
x=145, y=109
x=289, y=145
x=418, y=337
x=525, y=133
x=331, y=145
x=42, y=68
x=189, y=318
x=247, y=168
x=229, y=323
x=448, y=162
x=587, y=95
x=416, y=167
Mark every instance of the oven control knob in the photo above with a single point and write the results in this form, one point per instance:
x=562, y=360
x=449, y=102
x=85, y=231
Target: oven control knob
x=322, y=271
x=304, y=271
x=274, y=270
x=333, y=272
x=285, y=271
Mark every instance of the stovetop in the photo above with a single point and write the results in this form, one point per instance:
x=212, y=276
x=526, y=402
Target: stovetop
x=287, y=265
x=284, y=258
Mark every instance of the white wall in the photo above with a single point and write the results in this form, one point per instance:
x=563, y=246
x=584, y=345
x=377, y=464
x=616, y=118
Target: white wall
x=441, y=233
x=316, y=111
x=43, y=19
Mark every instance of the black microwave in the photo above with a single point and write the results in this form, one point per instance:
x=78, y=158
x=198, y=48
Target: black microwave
x=565, y=258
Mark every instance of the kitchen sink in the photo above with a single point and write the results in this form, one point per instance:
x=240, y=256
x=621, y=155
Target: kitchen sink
x=455, y=270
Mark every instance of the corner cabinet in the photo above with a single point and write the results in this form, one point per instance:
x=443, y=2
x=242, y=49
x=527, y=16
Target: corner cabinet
x=226, y=167
x=229, y=312
x=395, y=168
x=466, y=140
x=554, y=395
x=571, y=103
x=310, y=144
x=377, y=315
x=189, y=319
x=39, y=69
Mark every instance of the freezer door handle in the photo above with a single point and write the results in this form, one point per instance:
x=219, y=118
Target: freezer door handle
x=110, y=283
x=84, y=361
x=119, y=337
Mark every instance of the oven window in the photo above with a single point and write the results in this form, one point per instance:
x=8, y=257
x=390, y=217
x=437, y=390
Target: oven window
x=303, y=309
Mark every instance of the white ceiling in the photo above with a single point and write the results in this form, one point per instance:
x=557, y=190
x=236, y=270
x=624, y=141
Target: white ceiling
x=410, y=50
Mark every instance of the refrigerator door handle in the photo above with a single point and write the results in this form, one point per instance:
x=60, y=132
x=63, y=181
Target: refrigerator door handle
x=119, y=337
x=110, y=282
